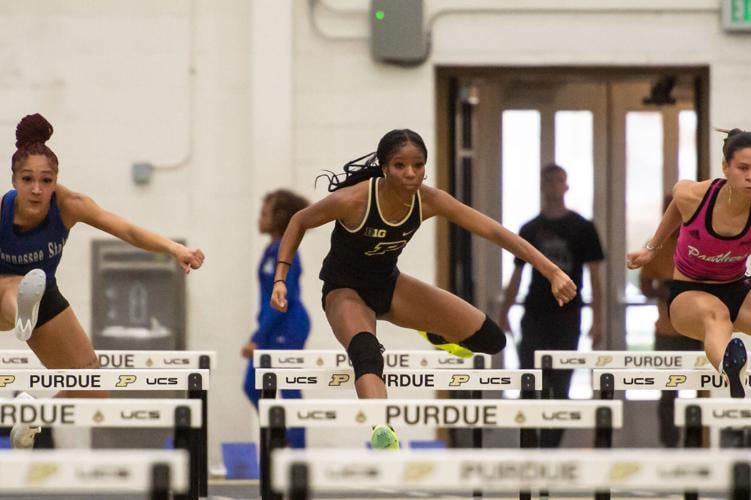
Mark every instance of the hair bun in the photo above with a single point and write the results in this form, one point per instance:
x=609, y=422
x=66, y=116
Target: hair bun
x=733, y=132
x=33, y=129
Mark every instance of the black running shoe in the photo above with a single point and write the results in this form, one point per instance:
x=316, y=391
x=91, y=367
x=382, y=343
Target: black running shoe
x=734, y=367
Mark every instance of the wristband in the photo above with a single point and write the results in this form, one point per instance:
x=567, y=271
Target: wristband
x=280, y=281
x=283, y=262
x=651, y=247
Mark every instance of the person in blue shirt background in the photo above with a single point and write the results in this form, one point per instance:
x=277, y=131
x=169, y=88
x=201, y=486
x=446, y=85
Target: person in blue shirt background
x=278, y=330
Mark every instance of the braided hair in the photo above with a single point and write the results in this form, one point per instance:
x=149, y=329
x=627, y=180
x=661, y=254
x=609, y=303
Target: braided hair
x=371, y=165
x=31, y=134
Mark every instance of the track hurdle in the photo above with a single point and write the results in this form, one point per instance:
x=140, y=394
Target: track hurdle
x=195, y=382
x=333, y=358
x=548, y=361
x=693, y=415
x=300, y=472
x=182, y=415
x=664, y=380
x=130, y=359
x=453, y=380
x=52, y=472
x=269, y=380
x=276, y=415
x=203, y=360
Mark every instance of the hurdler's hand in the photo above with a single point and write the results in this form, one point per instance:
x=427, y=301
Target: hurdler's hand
x=189, y=258
x=641, y=257
x=279, y=296
x=564, y=290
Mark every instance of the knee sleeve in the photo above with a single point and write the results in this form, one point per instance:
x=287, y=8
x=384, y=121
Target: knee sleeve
x=489, y=339
x=366, y=354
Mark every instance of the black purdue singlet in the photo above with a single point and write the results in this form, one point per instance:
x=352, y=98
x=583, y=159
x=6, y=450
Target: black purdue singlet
x=366, y=256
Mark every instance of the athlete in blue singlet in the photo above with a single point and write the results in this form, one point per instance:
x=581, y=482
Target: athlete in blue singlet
x=35, y=218
x=277, y=330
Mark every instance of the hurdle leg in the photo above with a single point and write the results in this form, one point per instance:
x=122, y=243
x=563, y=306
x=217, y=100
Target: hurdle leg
x=160, y=482
x=478, y=364
x=603, y=439
x=693, y=438
x=187, y=439
x=741, y=481
x=477, y=441
x=197, y=391
x=299, y=488
x=272, y=438
x=528, y=438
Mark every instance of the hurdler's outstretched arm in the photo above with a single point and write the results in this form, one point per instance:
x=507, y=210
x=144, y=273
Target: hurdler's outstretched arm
x=437, y=202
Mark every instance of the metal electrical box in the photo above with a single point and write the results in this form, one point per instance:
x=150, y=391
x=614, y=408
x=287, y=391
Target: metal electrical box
x=138, y=303
x=138, y=298
x=397, y=31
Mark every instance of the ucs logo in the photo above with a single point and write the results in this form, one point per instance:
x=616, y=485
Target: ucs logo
x=562, y=415
x=126, y=380
x=300, y=379
x=140, y=415
x=317, y=415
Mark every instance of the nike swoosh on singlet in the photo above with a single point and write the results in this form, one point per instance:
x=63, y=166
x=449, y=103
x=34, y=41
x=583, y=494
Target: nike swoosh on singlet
x=408, y=232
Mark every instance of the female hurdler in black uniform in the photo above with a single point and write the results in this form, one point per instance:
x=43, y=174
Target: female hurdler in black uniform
x=377, y=209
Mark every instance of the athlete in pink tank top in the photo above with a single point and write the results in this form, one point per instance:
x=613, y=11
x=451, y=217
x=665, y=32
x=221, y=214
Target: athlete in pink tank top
x=708, y=298
x=703, y=255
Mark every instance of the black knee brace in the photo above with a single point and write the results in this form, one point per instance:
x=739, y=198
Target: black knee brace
x=366, y=354
x=489, y=339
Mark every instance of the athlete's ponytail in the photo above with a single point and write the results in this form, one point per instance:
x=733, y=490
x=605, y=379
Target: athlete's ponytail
x=354, y=172
x=373, y=163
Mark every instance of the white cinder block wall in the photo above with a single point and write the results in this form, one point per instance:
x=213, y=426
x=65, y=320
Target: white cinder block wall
x=246, y=96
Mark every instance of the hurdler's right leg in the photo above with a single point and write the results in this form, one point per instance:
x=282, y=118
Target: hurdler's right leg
x=366, y=355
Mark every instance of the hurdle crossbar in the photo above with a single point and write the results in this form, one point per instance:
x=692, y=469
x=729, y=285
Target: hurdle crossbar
x=94, y=471
x=183, y=415
x=664, y=380
x=298, y=471
x=670, y=360
x=343, y=378
x=338, y=359
x=194, y=381
x=485, y=413
x=41, y=379
x=24, y=358
x=277, y=415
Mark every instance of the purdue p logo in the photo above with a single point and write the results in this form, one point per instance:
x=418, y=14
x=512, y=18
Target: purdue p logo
x=125, y=380
x=6, y=379
x=338, y=379
x=459, y=379
x=675, y=380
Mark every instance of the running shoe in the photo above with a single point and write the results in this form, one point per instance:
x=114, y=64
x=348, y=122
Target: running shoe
x=441, y=343
x=734, y=367
x=30, y=291
x=22, y=435
x=384, y=438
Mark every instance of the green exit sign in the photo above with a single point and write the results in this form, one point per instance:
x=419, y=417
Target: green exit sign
x=736, y=15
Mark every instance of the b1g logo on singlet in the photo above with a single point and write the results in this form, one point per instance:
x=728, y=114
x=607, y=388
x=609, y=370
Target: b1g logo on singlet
x=386, y=246
x=372, y=232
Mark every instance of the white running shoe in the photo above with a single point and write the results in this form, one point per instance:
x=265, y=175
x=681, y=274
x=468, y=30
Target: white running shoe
x=30, y=291
x=22, y=435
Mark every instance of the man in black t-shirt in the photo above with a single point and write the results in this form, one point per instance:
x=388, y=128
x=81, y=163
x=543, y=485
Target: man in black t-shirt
x=569, y=240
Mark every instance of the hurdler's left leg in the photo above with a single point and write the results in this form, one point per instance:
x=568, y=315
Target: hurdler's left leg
x=61, y=343
x=420, y=306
